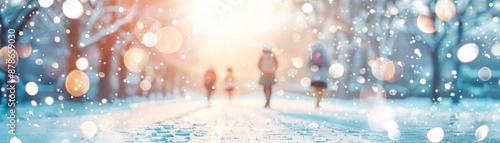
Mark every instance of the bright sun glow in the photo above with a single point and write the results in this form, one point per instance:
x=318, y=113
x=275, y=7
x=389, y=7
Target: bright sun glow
x=236, y=31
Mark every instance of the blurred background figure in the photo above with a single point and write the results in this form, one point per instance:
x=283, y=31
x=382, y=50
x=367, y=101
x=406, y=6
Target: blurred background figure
x=229, y=83
x=268, y=66
x=319, y=62
x=210, y=78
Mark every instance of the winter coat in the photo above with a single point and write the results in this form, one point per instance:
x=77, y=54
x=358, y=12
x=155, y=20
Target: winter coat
x=267, y=79
x=210, y=78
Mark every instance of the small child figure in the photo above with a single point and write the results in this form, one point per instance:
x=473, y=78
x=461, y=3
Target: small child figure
x=229, y=83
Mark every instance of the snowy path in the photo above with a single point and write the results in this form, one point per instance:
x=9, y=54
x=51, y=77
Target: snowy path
x=237, y=121
x=291, y=119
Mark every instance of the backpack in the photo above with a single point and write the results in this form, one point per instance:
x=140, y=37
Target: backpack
x=268, y=65
x=317, y=59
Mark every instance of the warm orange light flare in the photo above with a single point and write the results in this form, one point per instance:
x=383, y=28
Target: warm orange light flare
x=169, y=40
x=77, y=83
x=145, y=30
x=445, y=10
x=136, y=59
x=5, y=60
x=425, y=23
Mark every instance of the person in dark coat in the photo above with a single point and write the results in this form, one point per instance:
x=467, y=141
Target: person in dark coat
x=319, y=63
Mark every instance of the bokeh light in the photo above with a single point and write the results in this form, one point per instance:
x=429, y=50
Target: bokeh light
x=146, y=25
x=298, y=62
x=445, y=10
x=82, y=63
x=145, y=85
x=423, y=81
x=468, y=53
x=106, y=123
x=398, y=72
x=88, y=129
x=390, y=125
x=56, y=21
x=49, y=100
x=24, y=50
x=45, y=3
x=482, y=132
x=372, y=95
x=31, y=88
x=169, y=40
x=394, y=135
x=484, y=74
x=495, y=49
x=307, y=8
x=435, y=134
x=77, y=83
x=360, y=79
x=305, y=81
x=72, y=9
x=425, y=23
x=393, y=92
x=15, y=140
x=379, y=116
x=136, y=59
x=4, y=55
x=149, y=39
x=384, y=69
x=336, y=70
x=314, y=68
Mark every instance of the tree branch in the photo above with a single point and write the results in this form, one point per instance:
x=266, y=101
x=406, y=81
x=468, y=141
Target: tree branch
x=111, y=29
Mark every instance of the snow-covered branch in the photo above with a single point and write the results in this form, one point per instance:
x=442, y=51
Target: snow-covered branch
x=111, y=29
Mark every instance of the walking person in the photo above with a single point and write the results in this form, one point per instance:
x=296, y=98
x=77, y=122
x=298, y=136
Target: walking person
x=210, y=78
x=319, y=62
x=229, y=83
x=268, y=66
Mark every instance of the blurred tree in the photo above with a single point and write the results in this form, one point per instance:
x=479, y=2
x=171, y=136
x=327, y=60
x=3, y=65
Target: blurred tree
x=358, y=31
x=445, y=26
x=13, y=16
x=98, y=27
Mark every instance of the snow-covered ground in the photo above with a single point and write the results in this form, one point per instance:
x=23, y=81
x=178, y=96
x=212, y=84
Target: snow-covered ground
x=292, y=118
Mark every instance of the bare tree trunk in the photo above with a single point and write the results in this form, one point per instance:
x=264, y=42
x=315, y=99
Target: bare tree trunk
x=73, y=38
x=105, y=88
x=122, y=75
x=436, y=76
